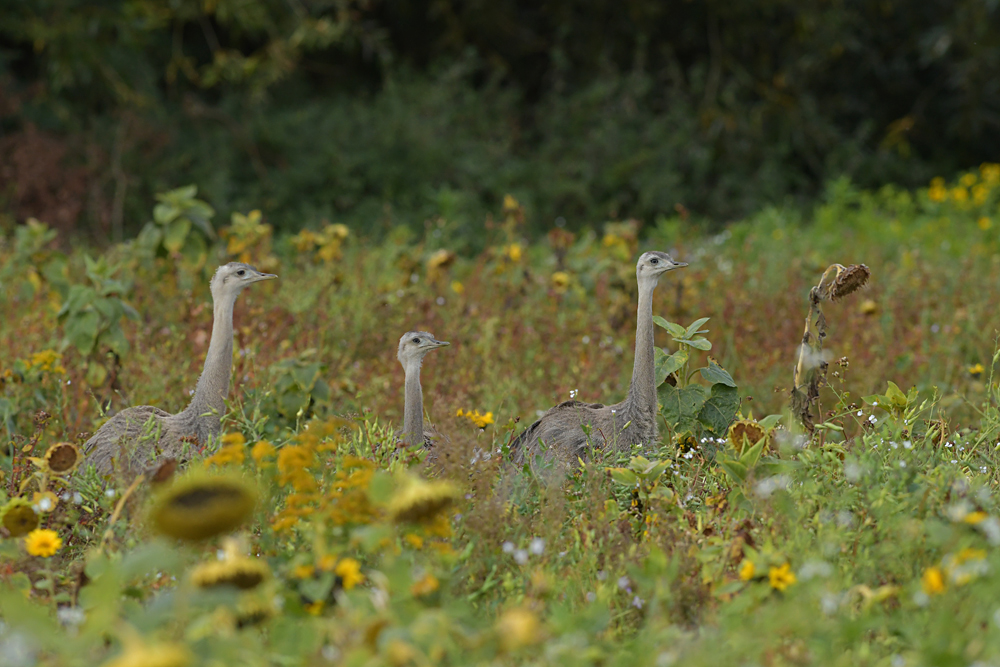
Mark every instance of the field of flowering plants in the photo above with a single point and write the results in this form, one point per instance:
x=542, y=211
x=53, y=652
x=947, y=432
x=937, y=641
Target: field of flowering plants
x=867, y=533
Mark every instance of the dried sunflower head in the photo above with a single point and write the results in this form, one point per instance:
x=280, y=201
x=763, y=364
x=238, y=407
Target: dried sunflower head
x=839, y=281
x=202, y=505
x=241, y=572
x=139, y=654
x=745, y=433
x=420, y=501
x=62, y=458
x=253, y=609
x=850, y=280
x=18, y=517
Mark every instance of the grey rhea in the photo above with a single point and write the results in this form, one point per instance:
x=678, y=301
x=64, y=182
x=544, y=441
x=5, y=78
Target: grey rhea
x=134, y=437
x=412, y=348
x=562, y=431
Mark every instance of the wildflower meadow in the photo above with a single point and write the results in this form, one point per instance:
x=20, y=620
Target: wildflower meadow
x=822, y=495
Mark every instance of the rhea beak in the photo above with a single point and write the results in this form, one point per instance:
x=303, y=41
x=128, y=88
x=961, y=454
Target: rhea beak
x=439, y=343
x=680, y=265
x=265, y=276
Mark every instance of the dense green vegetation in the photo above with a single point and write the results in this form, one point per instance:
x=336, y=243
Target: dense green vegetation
x=376, y=113
x=871, y=540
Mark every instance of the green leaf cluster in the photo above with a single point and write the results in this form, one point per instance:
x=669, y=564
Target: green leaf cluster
x=687, y=408
x=91, y=316
x=298, y=388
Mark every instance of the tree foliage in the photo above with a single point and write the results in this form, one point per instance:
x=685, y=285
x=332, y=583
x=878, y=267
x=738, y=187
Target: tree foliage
x=350, y=108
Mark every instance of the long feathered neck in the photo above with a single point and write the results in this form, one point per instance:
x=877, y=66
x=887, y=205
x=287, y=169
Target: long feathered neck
x=413, y=406
x=642, y=391
x=209, y=401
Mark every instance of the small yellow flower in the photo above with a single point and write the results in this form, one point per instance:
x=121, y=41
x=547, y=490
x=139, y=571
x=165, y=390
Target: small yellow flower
x=316, y=608
x=457, y=287
x=303, y=571
x=518, y=628
x=44, y=502
x=968, y=554
x=933, y=581
x=440, y=259
x=968, y=180
x=560, y=281
x=781, y=577
x=960, y=195
x=747, y=569
x=261, y=451
x=327, y=562
x=975, y=517
x=868, y=307
x=513, y=251
x=349, y=571
x=233, y=440
x=510, y=205
x=976, y=370
x=474, y=416
x=984, y=223
x=426, y=585
x=43, y=542
x=937, y=191
x=414, y=540
x=990, y=173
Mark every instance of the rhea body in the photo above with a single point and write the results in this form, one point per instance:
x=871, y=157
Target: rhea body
x=562, y=431
x=135, y=436
x=412, y=348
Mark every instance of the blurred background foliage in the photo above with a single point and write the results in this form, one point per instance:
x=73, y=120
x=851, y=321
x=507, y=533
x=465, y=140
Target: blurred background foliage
x=374, y=113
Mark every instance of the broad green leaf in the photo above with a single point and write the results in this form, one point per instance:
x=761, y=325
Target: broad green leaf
x=81, y=331
x=699, y=343
x=734, y=469
x=675, y=330
x=79, y=297
x=665, y=364
x=720, y=409
x=96, y=374
x=175, y=234
x=716, y=374
x=639, y=464
x=694, y=328
x=681, y=404
x=750, y=457
x=896, y=396
x=624, y=476
x=115, y=340
x=165, y=213
x=655, y=470
x=769, y=422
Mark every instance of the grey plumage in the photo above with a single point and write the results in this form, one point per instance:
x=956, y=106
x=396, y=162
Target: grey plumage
x=134, y=437
x=562, y=431
x=412, y=347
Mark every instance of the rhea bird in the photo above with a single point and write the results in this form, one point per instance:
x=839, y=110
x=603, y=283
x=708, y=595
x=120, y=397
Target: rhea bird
x=130, y=439
x=412, y=348
x=565, y=430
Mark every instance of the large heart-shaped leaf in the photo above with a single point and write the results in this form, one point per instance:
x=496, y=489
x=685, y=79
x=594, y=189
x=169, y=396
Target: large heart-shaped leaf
x=665, y=364
x=681, y=404
x=716, y=374
x=720, y=408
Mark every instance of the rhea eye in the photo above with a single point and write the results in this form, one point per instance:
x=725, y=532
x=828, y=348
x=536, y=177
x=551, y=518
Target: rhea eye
x=241, y=272
x=417, y=341
x=654, y=261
